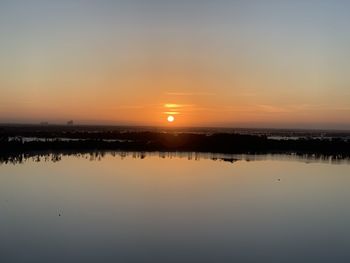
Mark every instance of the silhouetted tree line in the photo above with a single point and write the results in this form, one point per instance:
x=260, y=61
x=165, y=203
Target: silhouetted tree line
x=12, y=142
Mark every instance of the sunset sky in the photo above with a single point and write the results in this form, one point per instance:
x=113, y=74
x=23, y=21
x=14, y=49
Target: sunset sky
x=207, y=63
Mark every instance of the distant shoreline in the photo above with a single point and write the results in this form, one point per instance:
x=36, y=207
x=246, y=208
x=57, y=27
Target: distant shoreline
x=169, y=128
x=25, y=139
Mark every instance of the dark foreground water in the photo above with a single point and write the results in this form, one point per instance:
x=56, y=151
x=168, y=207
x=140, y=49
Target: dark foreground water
x=152, y=209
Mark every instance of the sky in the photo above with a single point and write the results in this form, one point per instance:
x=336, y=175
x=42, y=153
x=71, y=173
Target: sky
x=280, y=64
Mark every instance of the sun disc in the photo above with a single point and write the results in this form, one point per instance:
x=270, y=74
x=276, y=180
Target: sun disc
x=171, y=118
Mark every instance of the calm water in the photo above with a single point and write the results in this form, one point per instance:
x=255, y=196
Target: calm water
x=177, y=208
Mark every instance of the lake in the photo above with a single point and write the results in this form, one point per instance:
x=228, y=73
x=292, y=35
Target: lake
x=168, y=207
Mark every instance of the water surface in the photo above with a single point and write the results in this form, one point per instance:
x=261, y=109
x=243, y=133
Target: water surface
x=138, y=207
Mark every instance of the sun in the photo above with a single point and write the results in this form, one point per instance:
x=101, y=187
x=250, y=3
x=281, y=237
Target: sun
x=171, y=118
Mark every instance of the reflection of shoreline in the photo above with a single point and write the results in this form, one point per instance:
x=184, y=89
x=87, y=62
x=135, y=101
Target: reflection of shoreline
x=196, y=156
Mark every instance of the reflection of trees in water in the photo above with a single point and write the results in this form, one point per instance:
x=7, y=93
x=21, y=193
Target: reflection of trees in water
x=196, y=156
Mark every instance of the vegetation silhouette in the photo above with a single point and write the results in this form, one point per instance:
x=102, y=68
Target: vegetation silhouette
x=45, y=156
x=16, y=140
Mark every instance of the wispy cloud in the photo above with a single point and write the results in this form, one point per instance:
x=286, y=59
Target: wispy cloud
x=190, y=93
x=125, y=107
x=176, y=109
x=177, y=106
x=342, y=108
x=273, y=109
x=171, y=112
x=291, y=108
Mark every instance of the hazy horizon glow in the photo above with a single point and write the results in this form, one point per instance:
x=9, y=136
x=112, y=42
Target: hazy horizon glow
x=207, y=63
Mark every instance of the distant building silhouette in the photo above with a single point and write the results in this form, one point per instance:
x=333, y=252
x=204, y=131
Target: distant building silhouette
x=44, y=123
x=71, y=122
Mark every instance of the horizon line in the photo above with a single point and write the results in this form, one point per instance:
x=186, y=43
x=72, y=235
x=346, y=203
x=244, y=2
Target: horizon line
x=4, y=124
